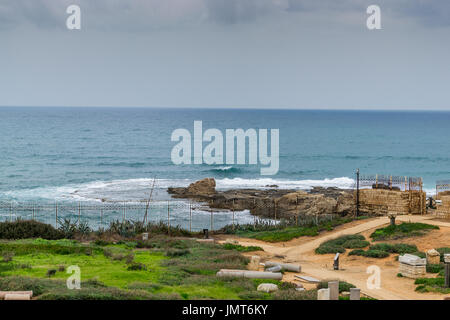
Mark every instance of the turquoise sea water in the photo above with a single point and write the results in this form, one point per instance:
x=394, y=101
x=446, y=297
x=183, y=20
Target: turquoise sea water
x=87, y=154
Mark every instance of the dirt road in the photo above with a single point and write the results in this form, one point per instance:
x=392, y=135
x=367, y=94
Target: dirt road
x=353, y=269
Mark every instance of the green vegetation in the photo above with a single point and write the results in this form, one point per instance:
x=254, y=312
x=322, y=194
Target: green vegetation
x=404, y=230
x=343, y=286
x=383, y=250
x=238, y=247
x=159, y=268
x=432, y=285
x=342, y=243
x=285, y=232
x=435, y=268
x=400, y=248
x=28, y=229
x=369, y=253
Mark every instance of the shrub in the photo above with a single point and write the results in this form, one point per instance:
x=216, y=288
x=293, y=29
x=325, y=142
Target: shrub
x=292, y=294
x=404, y=230
x=137, y=266
x=371, y=253
x=177, y=252
x=24, y=229
x=230, y=246
x=51, y=272
x=7, y=256
x=435, y=268
x=399, y=248
x=341, y=243
x=61, y=268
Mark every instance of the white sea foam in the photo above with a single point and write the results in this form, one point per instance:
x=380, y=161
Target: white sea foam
x=138, y=189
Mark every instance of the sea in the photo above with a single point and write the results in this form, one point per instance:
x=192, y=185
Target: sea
x=78, y=155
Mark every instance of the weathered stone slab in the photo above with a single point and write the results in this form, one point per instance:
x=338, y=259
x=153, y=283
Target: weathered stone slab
x=412, y=260
x=17, y=296
x=355, y=294
x=308, y=279
x=267, y=287
x=334, y=290
x=4, y=293
x=447, y=258
x=323, y=294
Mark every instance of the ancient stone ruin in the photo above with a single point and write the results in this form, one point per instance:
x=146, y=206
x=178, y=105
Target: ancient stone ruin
x=412, y=266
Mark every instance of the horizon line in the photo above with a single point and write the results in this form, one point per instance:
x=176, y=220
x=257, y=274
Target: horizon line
x=239, y=108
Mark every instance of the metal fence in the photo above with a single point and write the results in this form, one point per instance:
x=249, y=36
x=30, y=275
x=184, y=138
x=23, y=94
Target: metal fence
x=442, y=186
x=402, y=183
x=191, y=216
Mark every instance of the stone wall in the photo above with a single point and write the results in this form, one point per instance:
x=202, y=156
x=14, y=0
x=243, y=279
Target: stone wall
x=384, y=202
x=443, y=210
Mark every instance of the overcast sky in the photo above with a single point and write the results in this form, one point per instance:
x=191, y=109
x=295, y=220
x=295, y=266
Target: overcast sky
x=226, y=53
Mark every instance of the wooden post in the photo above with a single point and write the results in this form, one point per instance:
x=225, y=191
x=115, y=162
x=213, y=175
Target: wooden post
x=101, y=216
x=376, y=181
x=406, y=183
x=390, y=182
x=79, y=212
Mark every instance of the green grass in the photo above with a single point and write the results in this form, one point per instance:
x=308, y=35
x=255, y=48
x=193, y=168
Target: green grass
x=431, y=285
x=400, y=248
x=285, y=233
x=342, y=243
x=403, y=230
x=237, y=247
x=369, y=253
x=114, y=271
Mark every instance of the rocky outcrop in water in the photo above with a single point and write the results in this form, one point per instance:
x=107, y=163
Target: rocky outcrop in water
x=273, y=203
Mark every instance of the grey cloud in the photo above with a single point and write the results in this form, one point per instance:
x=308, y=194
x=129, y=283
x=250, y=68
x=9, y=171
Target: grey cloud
x=148, y=14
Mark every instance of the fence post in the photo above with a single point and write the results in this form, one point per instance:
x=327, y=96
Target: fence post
x=275, y=208
x=56, y=214
x=32, y=214
x=190, y=216
x=357, y=192
x=79, y=212
x=168, y=217
x=101, y=217
x=233, y=213
x=10, y=211
x=212, y=219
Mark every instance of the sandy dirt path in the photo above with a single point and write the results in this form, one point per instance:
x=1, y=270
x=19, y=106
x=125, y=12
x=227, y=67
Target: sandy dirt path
x=353, y=270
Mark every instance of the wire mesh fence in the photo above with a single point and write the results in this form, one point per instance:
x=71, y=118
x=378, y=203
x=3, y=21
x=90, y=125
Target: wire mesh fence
x=191, y=216
x=390, y=182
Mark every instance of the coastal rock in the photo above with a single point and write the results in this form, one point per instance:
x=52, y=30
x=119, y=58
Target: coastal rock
x=271, y=203
x=199, y=189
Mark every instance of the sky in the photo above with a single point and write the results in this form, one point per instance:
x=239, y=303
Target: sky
x=299, y=54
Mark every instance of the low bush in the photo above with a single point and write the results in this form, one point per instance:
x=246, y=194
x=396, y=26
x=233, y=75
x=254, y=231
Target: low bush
x=435, y=268
x=371, y=253
x=400, y=248
x=137, y=266
x=7, y=256
x=25, y=229
x=403, y=230
x=237, y=247
x=342, y=243
x=292, y=294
